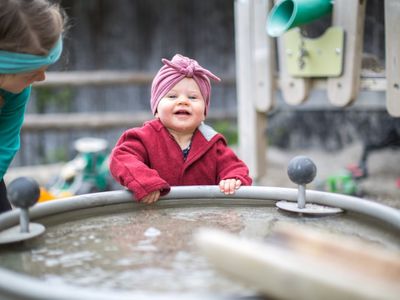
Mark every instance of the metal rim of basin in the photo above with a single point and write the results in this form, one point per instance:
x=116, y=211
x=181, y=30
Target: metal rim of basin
x=16, y=286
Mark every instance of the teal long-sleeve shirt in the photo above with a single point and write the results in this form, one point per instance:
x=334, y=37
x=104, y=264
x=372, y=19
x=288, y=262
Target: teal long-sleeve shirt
x=12, y=111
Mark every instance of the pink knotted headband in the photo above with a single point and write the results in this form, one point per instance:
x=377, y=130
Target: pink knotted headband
x=174, y=71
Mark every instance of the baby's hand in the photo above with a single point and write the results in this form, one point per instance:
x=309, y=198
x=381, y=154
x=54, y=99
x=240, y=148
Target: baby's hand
x=151, y=198
x=229, y=186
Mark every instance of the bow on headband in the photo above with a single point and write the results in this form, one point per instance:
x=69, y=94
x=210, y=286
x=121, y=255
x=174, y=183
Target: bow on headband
x=188, y=67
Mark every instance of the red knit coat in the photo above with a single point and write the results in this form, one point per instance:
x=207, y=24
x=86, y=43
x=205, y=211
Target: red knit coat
x=148, y=158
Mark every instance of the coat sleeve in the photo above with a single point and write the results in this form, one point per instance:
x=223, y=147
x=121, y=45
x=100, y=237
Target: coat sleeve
x=128, y=166
x=230, y=166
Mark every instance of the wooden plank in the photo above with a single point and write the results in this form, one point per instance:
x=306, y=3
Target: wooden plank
x=263, y=55
x=294, y=90
x=99, y=121
x=392, y=43
x=76, y=121
x=251, y=124
x=104, y=77
x=371, y=84
x=299, y=262
x=99, y=77
x=350, y=15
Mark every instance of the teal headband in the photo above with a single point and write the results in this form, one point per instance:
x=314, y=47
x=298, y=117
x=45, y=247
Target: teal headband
x=12, y=62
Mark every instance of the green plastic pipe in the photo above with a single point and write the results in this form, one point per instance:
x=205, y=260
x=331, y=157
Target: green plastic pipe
x=288, y=14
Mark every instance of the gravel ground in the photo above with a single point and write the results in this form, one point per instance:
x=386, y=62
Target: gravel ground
x=381, y=184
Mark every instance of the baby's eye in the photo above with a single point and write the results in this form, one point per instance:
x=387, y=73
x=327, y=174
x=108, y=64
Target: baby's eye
x=194, y=98
x=171, y=96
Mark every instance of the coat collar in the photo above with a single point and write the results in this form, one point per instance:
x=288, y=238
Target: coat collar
x=207, y=131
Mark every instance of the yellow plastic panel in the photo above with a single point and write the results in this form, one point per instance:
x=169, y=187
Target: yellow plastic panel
x=322, y=56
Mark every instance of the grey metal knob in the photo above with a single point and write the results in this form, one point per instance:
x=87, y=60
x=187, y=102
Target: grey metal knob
x=301, y=170
x=23, y=193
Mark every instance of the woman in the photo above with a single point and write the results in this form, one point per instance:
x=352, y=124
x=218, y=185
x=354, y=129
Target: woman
x=30, y=40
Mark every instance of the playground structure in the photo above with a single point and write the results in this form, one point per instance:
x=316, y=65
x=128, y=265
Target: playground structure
x=300, y=70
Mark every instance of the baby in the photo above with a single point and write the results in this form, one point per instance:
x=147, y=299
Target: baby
x=177, y=148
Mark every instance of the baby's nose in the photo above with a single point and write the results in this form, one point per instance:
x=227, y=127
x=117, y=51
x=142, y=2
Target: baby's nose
x=183, y=99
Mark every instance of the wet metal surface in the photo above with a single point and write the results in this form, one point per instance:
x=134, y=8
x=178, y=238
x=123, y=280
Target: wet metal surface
x=151, y=248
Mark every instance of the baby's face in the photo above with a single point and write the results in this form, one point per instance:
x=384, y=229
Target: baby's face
x=182, y=108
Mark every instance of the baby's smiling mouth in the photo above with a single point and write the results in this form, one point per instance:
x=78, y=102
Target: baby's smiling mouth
x=182, y=112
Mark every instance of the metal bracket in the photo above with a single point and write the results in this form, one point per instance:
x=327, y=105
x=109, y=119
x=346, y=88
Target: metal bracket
x=314, y=57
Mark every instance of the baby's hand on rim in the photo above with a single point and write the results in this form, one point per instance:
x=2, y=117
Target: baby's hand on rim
x=229, y=186
x=151, y=198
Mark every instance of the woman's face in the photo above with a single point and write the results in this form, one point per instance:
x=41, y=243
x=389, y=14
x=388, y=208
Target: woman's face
x=16, y=83
x=182, y=108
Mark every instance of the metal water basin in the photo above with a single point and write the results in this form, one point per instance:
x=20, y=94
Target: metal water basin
x=107, y=246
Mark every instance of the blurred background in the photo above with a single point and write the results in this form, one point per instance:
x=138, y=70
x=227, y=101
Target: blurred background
x=124, y=42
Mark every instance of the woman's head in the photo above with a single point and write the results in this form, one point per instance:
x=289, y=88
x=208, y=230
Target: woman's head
x=30, y=26
x=174, y=71
x=30, y=40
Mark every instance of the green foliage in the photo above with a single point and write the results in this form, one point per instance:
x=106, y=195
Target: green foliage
x=60, y=98
x=228, y=130
x=57, y=155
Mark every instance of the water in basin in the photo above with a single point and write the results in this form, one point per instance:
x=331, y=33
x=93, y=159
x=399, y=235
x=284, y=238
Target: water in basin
x=151, y=248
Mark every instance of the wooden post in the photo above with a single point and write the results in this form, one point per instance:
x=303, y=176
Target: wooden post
x=392, y=34
x=263, y=56
x=254, y=72
x=349, y=15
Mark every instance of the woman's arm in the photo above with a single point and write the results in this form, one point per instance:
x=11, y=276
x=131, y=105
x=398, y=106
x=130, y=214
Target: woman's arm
x=11, y=119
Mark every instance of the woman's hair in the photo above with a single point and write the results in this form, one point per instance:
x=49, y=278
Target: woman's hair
x=30, y=26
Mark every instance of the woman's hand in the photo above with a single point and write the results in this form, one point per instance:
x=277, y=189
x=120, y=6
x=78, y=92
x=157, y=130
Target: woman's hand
x=151, y=198
x=229, y=186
